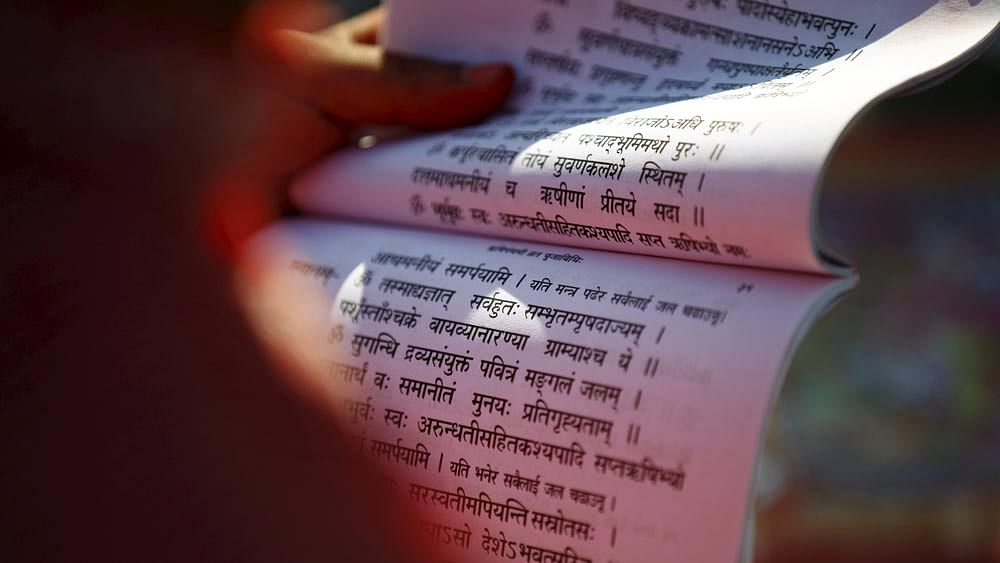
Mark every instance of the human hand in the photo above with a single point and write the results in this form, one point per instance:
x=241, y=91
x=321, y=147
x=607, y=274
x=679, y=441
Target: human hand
x=326, y=85
x=344, y=75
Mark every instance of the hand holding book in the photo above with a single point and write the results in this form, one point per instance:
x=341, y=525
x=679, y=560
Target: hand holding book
x=345, y=75
x=324, y=85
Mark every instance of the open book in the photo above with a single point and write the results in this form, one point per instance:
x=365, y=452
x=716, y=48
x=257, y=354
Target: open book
x=559, y=333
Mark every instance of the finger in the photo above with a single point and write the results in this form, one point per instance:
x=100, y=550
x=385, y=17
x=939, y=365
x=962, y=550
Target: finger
x=362, y=28
x=363, y=84
x=265, y=16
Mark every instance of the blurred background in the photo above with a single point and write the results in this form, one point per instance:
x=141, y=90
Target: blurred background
x=885, y=445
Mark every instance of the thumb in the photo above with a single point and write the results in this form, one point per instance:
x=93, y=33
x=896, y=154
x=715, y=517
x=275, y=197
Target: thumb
x=360, y=83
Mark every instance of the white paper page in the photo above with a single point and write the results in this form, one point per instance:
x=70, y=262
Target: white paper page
x=743, y=101
x=528, y=397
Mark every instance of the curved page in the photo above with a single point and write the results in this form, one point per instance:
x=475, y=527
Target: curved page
x=540, y=404
x=693, y=129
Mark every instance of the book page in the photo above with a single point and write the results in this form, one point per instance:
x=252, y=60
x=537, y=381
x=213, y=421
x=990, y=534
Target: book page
x=693, y=129
x=537, y=403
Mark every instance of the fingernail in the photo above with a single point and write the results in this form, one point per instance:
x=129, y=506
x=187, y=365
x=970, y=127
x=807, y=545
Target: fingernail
x=485, y=74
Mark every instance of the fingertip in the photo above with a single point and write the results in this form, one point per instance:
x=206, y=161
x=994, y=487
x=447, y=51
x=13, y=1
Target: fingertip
x=480, y=93
x=491, y=84
x=489, y=74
